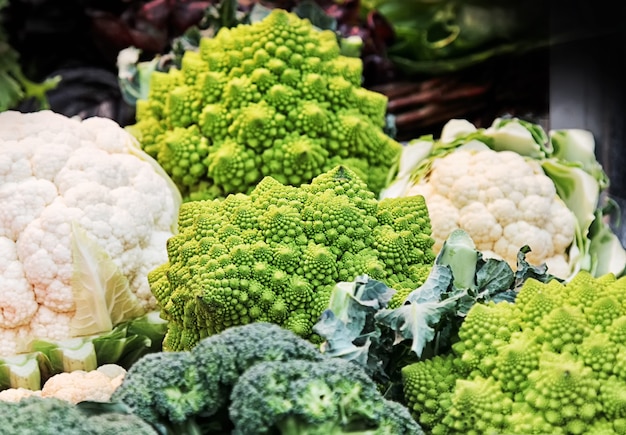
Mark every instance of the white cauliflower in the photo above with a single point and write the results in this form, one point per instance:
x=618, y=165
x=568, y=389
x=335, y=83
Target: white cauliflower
x=77, y=386
x=512, y=184
x=503, y=201
x=86, y=215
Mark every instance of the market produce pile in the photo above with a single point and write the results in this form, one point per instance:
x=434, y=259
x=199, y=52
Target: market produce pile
x=258, y=255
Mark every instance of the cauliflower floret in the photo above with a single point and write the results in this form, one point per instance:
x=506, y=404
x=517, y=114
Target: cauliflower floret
x=76, y=193
x=503, y=201
x=77, y=386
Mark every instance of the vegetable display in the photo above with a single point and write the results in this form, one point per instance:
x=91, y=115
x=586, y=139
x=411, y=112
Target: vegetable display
x=513, y=184
x=86, y=215
x=551, y=362
x=275, y=255
x=272, y=98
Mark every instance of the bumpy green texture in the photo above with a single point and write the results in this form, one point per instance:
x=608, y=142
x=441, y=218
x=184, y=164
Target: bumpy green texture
x=52, y=416
x=328, y=397
x=182, y=391
x=553, y=361
x=275, y=255
x=272, y=98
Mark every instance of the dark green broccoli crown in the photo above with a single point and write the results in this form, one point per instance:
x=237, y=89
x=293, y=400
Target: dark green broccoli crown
x=327, y=396
x=272, y=98
x=42, y=416
x=166, y=386
x=222, y=358
x=272, y=256
x=36, y=415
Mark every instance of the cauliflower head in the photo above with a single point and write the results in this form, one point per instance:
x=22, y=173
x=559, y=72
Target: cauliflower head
x=514, y=184
x=272, y=98
x=503, y=201
x=86, y=214
x=276, y=254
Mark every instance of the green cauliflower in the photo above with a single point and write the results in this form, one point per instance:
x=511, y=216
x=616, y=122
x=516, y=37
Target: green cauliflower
x=276, y=254
x=327, y=397
x=273, y=98
x=553, y=361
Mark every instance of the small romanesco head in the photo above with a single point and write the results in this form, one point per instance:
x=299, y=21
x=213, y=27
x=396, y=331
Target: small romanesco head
x=554, y=361
x=273, y=98
x=275, y=255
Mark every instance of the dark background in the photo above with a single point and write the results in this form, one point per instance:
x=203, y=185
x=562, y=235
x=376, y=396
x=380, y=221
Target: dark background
x=587, y=88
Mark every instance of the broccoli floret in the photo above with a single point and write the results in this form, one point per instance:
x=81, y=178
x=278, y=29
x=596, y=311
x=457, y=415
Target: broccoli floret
x=331, y=396
x=221, y=359
x=274, y=255
x=165, y=387
x=271, y=98
x=186, y=390
x=36, y=415
x=552, y=361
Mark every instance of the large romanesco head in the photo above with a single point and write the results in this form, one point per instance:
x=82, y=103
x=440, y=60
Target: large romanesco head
x=273, y=98
x=276, y=254
x=554, y=361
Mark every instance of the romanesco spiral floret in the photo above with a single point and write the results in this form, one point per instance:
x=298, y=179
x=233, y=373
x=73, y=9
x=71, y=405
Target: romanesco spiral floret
x=183, y=153
x=603, y=311
x=294, y=159
x=279, y=92
x=562, y=329
x=613, y=398
x=564, y=391
x=478, y=407
x=274, y=255
x=428, y=388
x=599, y=353
x=486, y=328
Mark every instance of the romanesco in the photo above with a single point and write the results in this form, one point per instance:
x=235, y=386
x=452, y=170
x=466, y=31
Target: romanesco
x=553, y=361
x=275, y=255
x=272, y=98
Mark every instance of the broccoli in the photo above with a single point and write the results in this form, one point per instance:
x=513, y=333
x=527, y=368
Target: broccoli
x=326, y=397
x=275, y=255
x=166, y=387
x=551, y=361
x=36, y=415
x=187, y=391
x=272, y=98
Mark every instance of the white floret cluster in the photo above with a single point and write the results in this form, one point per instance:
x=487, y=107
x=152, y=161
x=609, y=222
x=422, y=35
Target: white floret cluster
x=503, y=201
x=60, y=178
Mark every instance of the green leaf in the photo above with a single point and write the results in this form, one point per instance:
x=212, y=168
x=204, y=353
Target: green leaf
x=102, y=294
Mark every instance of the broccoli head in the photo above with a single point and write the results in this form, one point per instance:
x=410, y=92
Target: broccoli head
x=188, y=391
x=165, y=387
x=274, y=255
x=272, y=98
x=552, y=361
x=36, y=415
x=326, y=397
